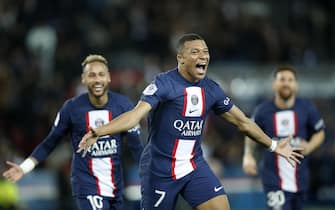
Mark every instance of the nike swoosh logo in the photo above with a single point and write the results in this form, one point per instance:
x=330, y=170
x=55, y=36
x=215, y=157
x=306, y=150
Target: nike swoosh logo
x=191, y=111
x=217, y=189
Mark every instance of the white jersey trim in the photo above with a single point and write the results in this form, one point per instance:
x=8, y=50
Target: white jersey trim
x=103, y=171
x=182, y=158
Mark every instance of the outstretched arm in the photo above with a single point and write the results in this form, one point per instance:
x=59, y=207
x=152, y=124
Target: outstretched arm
x=16, y=172
x=122, y=123
x=252, y=130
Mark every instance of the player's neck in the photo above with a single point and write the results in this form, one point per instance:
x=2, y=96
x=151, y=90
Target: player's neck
x=183, y=72
x=284, y=104
x=98, y=101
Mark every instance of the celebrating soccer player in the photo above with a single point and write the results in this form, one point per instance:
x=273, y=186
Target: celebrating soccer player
x=96, y=179
x=178, y=102
x=285, y=187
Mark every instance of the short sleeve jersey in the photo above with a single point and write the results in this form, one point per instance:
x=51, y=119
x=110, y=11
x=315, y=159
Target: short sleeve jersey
x=301, y=121
x=176, y=122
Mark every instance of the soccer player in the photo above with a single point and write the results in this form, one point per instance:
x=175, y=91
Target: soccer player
x=285, y=186
x=179, y=101
x=97, y=179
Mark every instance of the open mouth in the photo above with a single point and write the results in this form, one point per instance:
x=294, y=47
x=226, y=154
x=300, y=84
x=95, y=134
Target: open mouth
x=201, y=66
x=98, y=88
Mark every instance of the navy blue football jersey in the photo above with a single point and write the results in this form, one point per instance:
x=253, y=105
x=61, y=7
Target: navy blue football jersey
x=100, y=172
x=301, y=121
x=176, y=122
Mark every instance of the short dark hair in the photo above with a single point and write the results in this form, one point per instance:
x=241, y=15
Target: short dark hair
x=285, y=68
x=185, y=38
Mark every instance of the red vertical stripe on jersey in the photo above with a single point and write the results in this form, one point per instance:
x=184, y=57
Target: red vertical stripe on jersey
x=295, y=123
x=110, y=115
x=296, y=165
x=192, y=161
x=297, y=176
x=173, y=164
x=276, y=156
x=277, y=170
x=275, y=124
x=185, y=103
x=87, y=118
x=203, y=101
x=96, y=179
x=113, y=178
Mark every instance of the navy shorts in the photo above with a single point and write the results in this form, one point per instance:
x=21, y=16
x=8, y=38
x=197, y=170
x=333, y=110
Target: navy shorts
x=277, y=199
x=96, y=202
x=196, y=188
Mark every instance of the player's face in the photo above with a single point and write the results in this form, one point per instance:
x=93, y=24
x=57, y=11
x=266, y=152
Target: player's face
x=193, y=60
x=285, y=85
x=96, y=78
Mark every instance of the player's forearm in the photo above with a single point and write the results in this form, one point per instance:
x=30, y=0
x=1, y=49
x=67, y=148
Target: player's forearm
x=42, y=151
x=316, y=140
x=125, y=121
x=249, y=146
x=253, y=131
x=122, y=123
x=247, y=126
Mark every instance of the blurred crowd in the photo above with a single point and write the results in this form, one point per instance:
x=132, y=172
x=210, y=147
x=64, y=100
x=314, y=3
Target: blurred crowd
x=44, y=42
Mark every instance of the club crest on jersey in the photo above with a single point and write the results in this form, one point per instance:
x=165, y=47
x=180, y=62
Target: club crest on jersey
x=97, y=118
x=150, y=89
x=285, y=123
x=194, y=102
x=99, y=122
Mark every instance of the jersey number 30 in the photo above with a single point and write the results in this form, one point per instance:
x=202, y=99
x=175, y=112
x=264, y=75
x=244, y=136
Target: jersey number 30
x=276, y=198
